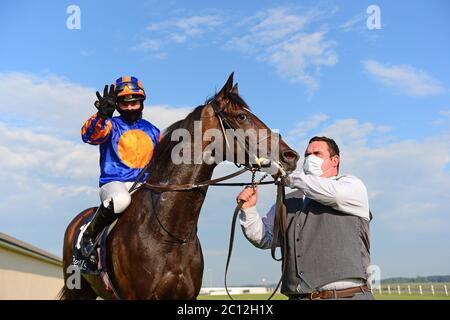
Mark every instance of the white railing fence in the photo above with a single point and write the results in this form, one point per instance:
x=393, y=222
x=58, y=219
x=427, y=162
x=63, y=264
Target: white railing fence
x=431, y=289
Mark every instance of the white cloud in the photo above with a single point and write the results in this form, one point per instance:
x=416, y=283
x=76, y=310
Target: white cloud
x=27, y=152
x=404, y=78
x=147, y=45
x=350, y=130
x=445, y=113
x=88, y=53
x=350, y=24
x=179, y=30
x=163, y=115
x=45, y=181
x=443, y=120
x=412, y=182
x=303, y=127
x=279, y=36
x=48, y=100
x=299, y=58
x=273, y=25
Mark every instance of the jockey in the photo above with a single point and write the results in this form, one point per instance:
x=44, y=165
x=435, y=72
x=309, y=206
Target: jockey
x=126, y=147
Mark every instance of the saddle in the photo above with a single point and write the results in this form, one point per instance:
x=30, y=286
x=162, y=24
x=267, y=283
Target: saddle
x=91, y=266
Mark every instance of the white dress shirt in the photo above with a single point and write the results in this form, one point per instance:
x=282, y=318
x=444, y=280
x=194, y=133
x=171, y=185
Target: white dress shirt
x=343, y=193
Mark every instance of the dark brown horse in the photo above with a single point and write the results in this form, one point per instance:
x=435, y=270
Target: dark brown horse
x=153, y=251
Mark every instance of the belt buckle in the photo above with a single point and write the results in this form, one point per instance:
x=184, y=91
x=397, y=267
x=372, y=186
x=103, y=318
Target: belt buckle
x=315, y=295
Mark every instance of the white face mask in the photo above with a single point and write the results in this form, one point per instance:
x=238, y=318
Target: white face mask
x=313, y=165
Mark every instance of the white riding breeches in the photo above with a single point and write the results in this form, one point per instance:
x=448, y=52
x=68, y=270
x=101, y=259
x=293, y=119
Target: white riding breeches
x=118, y=192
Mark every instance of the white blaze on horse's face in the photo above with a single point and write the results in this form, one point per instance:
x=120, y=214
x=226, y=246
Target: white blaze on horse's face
x=273, y=168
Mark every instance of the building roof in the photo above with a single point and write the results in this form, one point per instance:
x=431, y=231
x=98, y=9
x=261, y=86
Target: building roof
x=26, y=248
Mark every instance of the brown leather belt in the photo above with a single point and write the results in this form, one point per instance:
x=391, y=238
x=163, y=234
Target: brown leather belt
x=332, y=294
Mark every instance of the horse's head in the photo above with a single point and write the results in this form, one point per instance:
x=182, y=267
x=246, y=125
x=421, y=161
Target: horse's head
x=245, y=138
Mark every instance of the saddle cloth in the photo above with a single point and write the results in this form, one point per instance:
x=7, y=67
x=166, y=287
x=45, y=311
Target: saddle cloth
x=86, y=265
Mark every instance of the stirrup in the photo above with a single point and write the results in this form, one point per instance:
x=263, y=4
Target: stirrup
x=87, y=247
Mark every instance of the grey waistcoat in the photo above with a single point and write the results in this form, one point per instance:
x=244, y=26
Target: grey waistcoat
x=323, y=245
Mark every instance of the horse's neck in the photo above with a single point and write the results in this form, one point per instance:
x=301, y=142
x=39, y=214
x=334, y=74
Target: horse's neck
x=179, y=211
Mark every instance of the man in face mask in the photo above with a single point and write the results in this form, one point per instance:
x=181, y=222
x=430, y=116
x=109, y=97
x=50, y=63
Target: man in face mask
x=320, y=160
x=126, y=147
x=328, y=241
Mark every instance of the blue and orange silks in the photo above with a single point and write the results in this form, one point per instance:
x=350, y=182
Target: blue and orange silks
x=124, y=148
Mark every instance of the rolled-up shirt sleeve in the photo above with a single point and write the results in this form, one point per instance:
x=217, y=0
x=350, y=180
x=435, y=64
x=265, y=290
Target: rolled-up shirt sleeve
x=257, y=230
x=347, y=194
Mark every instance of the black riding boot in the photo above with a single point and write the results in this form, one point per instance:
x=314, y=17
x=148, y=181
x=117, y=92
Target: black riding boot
x=102, y=218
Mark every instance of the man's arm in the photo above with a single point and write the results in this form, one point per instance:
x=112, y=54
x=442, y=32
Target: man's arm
x=96, y=130
x=257, y=230
x=346, y=194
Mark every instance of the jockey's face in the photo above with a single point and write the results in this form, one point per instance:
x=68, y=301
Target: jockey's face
x=132, y=105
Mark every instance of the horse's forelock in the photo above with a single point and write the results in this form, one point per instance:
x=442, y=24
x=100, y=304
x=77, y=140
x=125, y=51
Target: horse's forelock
x=237, y=100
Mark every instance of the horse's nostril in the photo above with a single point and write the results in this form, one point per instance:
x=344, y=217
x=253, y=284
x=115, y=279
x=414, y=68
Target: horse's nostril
x=289, y=155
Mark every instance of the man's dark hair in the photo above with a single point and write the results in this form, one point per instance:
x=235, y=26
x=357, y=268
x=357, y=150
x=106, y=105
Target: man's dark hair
x=332, y=146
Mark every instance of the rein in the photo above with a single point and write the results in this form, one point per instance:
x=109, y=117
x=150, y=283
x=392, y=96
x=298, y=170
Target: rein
x=191, y=186
x=279, y=229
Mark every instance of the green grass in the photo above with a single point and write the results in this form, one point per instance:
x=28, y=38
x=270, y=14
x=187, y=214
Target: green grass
x=410, y=297
x=279, y=296
x=427, y=295
x=248, y=296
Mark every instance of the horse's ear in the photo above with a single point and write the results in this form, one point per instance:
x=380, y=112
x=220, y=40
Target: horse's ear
x=235, y=89
x=227, y=87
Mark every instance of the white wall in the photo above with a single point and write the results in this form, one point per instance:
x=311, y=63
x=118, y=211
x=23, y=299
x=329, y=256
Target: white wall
x=28, y=278
x=232, y=290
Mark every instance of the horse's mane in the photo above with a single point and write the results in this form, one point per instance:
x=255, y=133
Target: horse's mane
x=163, y=150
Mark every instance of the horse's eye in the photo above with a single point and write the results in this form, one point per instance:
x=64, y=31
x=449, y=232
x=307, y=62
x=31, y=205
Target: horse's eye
x=242, y=116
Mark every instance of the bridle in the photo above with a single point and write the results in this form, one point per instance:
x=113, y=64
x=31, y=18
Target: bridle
x=223, y=121
x=280, y=210
x=259, y=165
x=216, y=182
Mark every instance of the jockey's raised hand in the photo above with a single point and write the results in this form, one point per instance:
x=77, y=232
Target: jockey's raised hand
x=106, y=104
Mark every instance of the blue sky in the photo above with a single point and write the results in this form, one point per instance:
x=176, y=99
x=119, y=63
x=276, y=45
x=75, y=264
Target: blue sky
x=305, y=67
